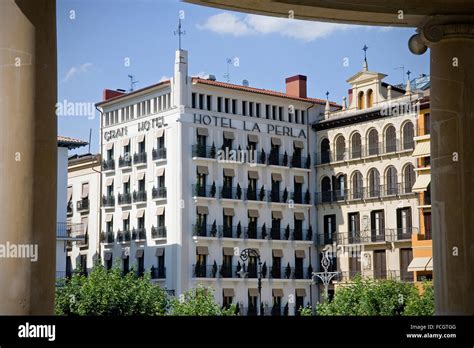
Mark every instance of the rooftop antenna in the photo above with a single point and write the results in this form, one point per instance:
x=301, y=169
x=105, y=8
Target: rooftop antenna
x=227, y=74
x=179, y=32
x=90, y=136
x=132, y=82
x=403, y=72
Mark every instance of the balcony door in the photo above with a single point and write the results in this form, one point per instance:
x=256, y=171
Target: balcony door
x=329, y=228
x=377, y=225
x=354, y=227
x=406, y=256
x=404, y=223
x=380, y=264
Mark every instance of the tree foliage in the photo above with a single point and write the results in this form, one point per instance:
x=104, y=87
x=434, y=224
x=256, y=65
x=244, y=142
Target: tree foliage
x=199, y=302
x=422, y=304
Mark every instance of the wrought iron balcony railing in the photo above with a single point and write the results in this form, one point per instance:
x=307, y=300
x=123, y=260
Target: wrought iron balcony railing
x=158, y=192
x=204, y=191
x=158, y=154
x=158, y=232
x=139, y=196
x=67, y=230
x=107, y=237
x=108, y=201
x=82, y=205
x=139, y=158
x=139, y=234
x=158, y=272
x=125, y=161
x=108, y=165
x=125, y=198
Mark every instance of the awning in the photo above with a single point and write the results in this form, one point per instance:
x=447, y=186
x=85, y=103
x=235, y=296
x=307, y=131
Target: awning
x=253, y=213
x=126, y=178
x=421, y=183
x=202, y=210
x=229, y=135
x=277, y=252
x=228, y=251
x=419, y=264
x=160, y=210
x=252, y=138
x=69, y=193
x=85, y=190
x=429, y=265
x=203, y=131
x=160, y=171
x=107, y=255
x=298, y=144
x=300, y=292
x=277, y=177
x=140, y=175
x=125, y=253
x=109, y=182
x=139, y=253
x=160, y=252
x=229, y=172
x=109, y=146
x=140, y=213
x=202, y=250
x=160, y=132
x=276, y=141
x=140, y=138
x=277, y=292
x=253, y=175
x=299, y=216
x=300, y=254
x=299, y=179
x=228, y=292
x=85, y=224
x=109, y=217
x=253, y=292
x=422, y=149
x=125, y=215
x=276, y=214
x=125, y=142
x=202, y=170
x=229, y=212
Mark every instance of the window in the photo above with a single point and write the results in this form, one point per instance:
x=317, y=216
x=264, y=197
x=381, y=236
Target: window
x=161, y=264
x=377, y=225
x=227, y=225
x=427, y=124
x=354, y=227
x=125, y=264
x=340, y=189
x=356, y=146
x=404, y=223
x=83, y=264
x=340, y=148
x=373, y=142
x=370, y=98
x=354, y=266
x=252, y=228
x=226, y=105
x=406, y=256
x=219, y=104
x=360, y=100
x=244, y=108
x=391, y=181
x=267, y=111
x=326, y=189
x=141, y=264
x=280, y=113
x=427, y=224
x=374, y=183
x=408, y=177
x=357, y=186
x=303, y=117
x=257, y=109
x=325, y=151
x=276, y=227
x=329, y=222
x=408, y=134
x=234, y=106
x=274, y=112
x=109, y=226
x=126, y=187
x=390, y=139
x=380, y=264
x=209, y=102
x=297, y=116
x=299, y=266
x=126, y=224
x=251, y=104
x=108, y=262
x=226, y=270
x=141, y=146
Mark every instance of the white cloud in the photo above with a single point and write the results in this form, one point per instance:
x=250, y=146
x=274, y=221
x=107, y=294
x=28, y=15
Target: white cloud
x=226, y=23
x=201, y=74
x=76, y=70
x=164, y=78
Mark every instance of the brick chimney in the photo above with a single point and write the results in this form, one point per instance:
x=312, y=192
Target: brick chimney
x=296, y=86
x=349, y=92
x=110, y=93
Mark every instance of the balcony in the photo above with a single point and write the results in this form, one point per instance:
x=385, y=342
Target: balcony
x=139, y=158
x=125, y=162
x=69, y=231
x=158, y=232
x=158, y=154
x=286, y=272
x=123, y=237
x=69, y=208
x=300, y=162
x=125, y=198
x=202, y=230
x=298, y=198
x=158, y=192
x=204, y=151
x=358, y=237
x=253, y=195
x=347, y=276
x=82, y=205
x=107, y=237
x=139, y=234
x=405, y=233
x=275, y=196
x=158, y=272
x=108, y=165
x=275, y=159
x=204, y=191
x=230, y=192
x=139, y=196
x=202, y=271
x=108, y=201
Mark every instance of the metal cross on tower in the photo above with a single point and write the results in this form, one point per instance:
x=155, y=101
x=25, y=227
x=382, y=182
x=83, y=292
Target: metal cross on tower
x=179, y=32
x=365, y=48
x=325, y=276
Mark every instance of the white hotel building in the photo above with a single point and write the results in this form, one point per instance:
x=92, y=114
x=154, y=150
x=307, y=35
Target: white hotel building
x=171, y=204
x=365, y=172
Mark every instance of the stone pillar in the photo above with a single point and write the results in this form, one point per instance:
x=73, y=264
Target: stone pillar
x=451, y=41
x=28, y=154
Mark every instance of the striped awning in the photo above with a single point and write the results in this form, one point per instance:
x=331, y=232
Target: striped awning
x=421, y=183
x=422, y=149
x=419, y=264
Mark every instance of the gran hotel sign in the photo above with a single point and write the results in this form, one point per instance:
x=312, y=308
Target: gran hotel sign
x=210, y=120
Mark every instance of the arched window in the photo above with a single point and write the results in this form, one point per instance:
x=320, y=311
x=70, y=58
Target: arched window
x=373, y=142
x=408, y=178
x=374, y=183
x=357, y=185
x=356, y=146
x=341, y=186
x=360, y=100
x=370, y=98
x=408, y=133
x=325, y=151
x=340, y=148
x=391, y=181
x=390, y=139
x=326, y=189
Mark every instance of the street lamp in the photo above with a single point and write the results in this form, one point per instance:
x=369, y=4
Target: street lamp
x=244, y=256
x=325, y=276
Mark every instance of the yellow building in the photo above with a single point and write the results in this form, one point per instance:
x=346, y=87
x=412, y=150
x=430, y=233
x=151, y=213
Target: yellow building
x=422, y=263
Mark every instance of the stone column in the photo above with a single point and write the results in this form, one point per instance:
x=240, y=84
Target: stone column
x=28, y=154
x=451, y=41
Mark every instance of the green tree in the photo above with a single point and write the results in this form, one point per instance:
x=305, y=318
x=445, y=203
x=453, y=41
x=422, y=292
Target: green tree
x=109, y=293
x=305, y=311
x=421, y=304
x=199, y=302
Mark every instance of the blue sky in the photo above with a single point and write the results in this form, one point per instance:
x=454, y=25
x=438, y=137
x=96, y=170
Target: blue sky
x=97, y=38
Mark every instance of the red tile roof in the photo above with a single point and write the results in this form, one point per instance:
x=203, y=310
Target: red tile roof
x=260, y=91
x=70, y=143
x=134, y=92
